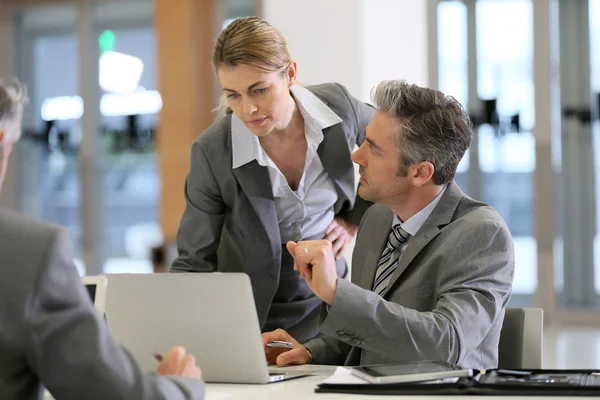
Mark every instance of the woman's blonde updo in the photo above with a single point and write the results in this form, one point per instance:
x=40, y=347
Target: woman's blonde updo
x=254, y=42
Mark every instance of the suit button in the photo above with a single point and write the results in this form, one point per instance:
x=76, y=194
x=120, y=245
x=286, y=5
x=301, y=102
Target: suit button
x=357, y=342
x=341, y=333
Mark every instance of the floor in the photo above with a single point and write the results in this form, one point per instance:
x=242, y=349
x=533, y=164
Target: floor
x=571, y=348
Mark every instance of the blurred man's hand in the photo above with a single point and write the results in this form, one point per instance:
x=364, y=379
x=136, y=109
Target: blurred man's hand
x=177, y=362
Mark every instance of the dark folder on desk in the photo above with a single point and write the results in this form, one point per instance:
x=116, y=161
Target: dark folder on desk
x=497, y=382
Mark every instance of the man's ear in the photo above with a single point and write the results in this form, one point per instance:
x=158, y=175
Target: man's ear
x=423, y=173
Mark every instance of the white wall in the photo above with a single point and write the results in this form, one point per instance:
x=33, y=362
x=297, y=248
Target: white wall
x=395, y=35
x=357, y=43
x=323, y=36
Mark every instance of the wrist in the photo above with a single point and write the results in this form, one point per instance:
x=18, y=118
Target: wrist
x=331, y=295
x=310, y=357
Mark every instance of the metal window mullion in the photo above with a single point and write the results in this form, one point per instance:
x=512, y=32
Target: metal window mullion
x=474, y=174
x=91, y=154
x=577, y=155
x=546, y=93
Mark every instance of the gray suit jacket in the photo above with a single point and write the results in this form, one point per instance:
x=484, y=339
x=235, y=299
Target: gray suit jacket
x=230, y=221
x=51, y=334
x=446, y=299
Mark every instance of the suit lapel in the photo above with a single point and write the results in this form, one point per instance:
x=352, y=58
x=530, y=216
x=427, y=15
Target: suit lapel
x=381, y=224
x=256, y=184
x=442, y=215
x=335, y=156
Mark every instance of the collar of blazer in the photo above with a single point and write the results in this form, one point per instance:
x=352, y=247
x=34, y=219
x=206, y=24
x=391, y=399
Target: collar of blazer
x=441, y=216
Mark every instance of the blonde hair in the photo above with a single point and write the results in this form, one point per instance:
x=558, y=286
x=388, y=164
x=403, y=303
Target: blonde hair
x=254, y=42
x=12, y=103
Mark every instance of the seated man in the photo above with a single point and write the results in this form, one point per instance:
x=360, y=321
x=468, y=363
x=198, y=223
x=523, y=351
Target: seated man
x=50, y=332
x=432, y=268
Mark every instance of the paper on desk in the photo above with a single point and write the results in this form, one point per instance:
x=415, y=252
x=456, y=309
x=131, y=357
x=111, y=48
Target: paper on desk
x=344, y=376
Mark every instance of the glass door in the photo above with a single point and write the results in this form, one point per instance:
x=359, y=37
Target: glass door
x=87, y=159
x=488, y=67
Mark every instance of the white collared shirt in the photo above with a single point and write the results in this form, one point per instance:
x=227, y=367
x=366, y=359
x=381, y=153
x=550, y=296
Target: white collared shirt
x=414, y=223
x=306, y=212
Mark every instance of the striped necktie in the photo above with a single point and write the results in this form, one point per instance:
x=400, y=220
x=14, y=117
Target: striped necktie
x=389, y=259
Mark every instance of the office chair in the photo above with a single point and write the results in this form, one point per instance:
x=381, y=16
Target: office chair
x=521, y=339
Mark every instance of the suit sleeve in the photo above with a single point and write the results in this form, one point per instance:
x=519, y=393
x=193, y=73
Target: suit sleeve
x=71, y=349
x=363, y=114
x=475, y=286
x=199, y=232
x=328, y=351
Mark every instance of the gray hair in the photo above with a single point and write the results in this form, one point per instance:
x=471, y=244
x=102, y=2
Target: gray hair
x=12, y=102
x=434, y=127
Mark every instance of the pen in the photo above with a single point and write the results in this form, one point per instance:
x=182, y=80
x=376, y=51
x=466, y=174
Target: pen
x=279, y=343
x=158, y=357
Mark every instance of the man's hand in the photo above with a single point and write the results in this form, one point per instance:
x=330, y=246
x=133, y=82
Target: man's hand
x=340, y=233
x=283, y=356
x=178, y=363
x=314, y=260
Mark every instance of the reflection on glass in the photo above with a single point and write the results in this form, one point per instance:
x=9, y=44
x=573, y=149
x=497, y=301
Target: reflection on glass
x=52, y=171
x=452, y=53
x=452, y=58
x=505, y=56
x=129, y=107
x=507, y=158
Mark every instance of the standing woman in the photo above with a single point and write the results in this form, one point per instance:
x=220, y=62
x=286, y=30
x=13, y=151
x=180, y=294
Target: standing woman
x=276, y=168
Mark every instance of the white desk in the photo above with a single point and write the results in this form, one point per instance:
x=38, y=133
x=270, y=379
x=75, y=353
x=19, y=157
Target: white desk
x=304, y=388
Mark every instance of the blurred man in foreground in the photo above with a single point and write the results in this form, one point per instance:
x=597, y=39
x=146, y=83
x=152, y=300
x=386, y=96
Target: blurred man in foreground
x=50, y=333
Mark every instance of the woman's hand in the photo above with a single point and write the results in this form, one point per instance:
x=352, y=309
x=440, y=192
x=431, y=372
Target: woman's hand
x=340, y=233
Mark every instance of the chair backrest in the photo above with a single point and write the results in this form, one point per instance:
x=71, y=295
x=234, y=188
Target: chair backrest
x=521, y=338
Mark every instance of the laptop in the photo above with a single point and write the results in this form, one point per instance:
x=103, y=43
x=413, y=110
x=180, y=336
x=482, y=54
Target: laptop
x=211, y=314
x=96, y=288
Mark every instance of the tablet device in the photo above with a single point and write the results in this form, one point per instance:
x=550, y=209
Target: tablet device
x=96, y=288
x=409, y=372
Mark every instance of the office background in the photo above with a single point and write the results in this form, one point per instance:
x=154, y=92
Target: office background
x=120, y=89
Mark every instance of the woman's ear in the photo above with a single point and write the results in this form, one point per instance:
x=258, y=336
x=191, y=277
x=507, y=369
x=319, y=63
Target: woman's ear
x=292, y=73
